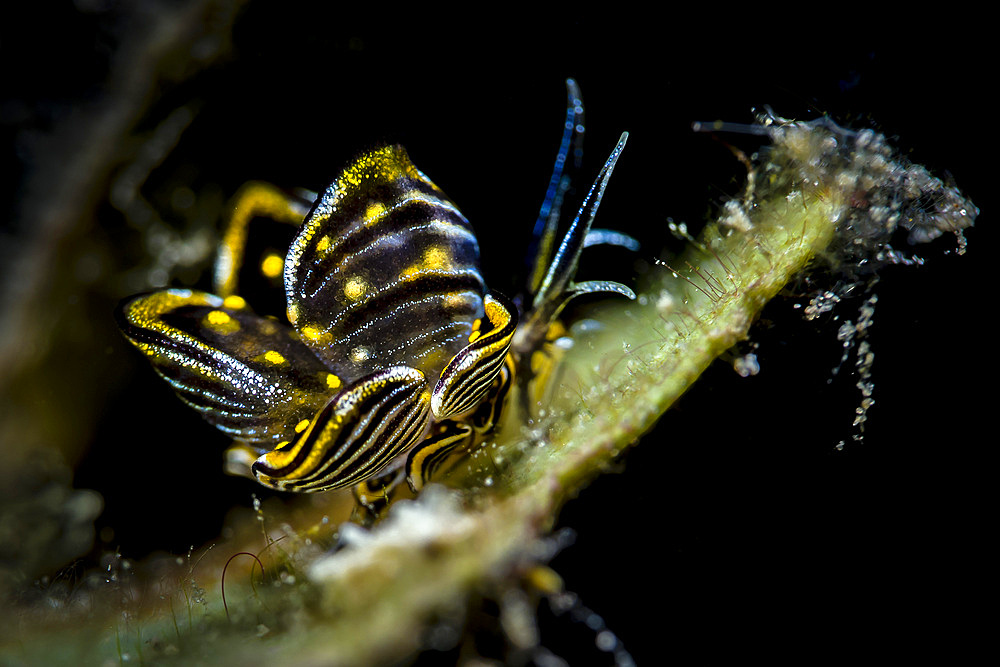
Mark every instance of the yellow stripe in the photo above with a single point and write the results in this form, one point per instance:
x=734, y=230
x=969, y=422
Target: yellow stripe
x=470, y=373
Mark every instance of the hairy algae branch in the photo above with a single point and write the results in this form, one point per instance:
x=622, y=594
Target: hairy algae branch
x=820, y=193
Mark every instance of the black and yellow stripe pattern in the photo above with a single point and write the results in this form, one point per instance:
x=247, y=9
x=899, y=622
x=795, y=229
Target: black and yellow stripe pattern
x=385, y=270
x=393, y=356
x=425, y=460
x=247, y=375
x=467, y=378
x=355, y=436
x=487, y=414
x=386, y=305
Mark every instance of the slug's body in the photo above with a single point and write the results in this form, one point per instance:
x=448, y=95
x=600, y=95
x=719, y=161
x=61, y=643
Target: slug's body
x=394, y=345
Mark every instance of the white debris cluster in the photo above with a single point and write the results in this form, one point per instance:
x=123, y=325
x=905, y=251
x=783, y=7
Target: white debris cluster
x=884, y=190
x=435, y=517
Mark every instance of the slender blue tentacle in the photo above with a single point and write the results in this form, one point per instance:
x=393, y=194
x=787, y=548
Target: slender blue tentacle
x=568, y=161
x=563, y=266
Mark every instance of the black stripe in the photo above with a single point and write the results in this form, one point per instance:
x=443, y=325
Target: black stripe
x=355, y=437
x=390, y=249
x=363, y=409
x=401, y=218
x=485, y=417
x=452, y=330
x=434, y=451
x=401, y=226
x=360, y=443
x=417, y=236
x=474, y=384
x=400, y=296
x=364, y=467
x=409, y=430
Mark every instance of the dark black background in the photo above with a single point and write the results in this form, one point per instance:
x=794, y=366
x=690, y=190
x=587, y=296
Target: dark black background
x=735, y=528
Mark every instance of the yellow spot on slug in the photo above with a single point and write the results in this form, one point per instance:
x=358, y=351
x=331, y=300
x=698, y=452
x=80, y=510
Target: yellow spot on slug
x=272, y=265
x=301, y=426
x=234, y=302
x=332, y=381
x=274, y=357
x=315, y=335
x=374, y=211
x=218, y=317
x=323, y=244
x=435, y=258
x=354, y=288
x=473, y=336
x=220, y=322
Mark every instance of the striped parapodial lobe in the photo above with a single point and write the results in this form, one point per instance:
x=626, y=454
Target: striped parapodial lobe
x=468, y=377
x=357, y=434
x=247, y=375
x=385, y=270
